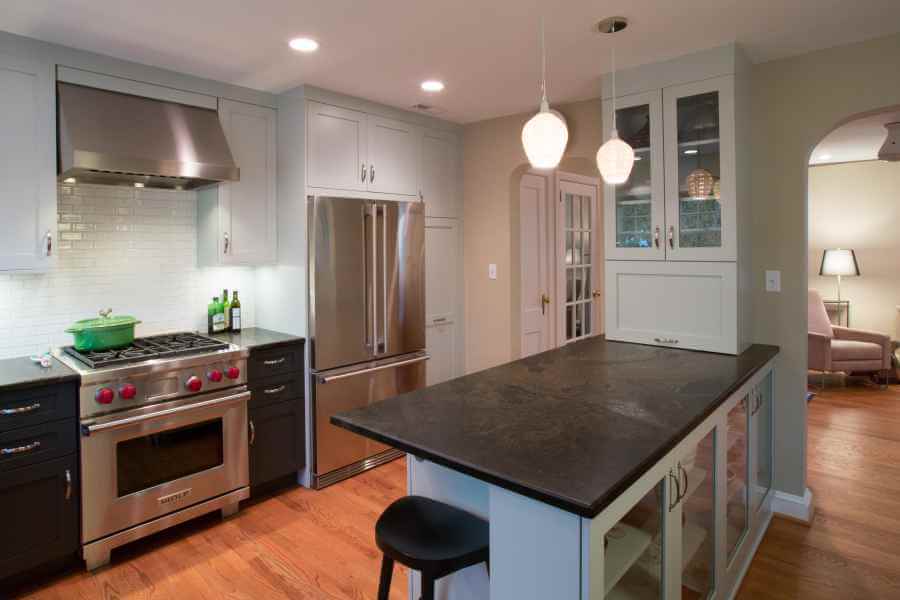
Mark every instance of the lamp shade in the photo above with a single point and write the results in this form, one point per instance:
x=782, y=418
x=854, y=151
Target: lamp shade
x=837, y=261
x=544, y=138
x=615, y=159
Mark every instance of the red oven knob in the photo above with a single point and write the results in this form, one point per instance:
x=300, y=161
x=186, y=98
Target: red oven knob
x=194, y=383
x=104, y=395
x=215, y=376
x=127, y=392
x=232, y=373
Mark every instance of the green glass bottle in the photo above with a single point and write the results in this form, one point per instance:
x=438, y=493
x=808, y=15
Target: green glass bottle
x=226, y=309
x=212, y=309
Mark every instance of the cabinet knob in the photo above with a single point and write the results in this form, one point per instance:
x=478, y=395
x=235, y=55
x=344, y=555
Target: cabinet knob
x=227, y=244
x=671, y=236
x=49, y=246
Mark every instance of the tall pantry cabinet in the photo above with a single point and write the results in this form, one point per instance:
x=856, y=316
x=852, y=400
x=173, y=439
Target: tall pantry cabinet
x=677, y=232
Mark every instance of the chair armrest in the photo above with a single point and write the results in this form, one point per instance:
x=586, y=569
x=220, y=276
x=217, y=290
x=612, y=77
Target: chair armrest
x=872, y=337
x=819, y=351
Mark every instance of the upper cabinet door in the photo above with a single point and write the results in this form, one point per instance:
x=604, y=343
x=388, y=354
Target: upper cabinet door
x=27, y=165
x=635, y=210
x=700, y=171
x=247, y=208
x=393, y=151
x=440, y=174
x=336, y=148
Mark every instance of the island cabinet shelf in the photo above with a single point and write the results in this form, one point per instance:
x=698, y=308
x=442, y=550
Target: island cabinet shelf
x=602, y=468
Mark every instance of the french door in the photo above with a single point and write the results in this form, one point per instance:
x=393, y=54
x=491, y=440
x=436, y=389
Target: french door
x=577, y=277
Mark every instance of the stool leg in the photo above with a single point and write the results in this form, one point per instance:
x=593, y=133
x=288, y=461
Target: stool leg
x=384, y=584
x=427, y=587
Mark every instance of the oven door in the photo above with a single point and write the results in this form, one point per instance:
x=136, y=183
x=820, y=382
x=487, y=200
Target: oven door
x=142, y=464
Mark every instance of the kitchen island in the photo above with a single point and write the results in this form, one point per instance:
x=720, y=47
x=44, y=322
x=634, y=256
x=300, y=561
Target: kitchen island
x=605, y=469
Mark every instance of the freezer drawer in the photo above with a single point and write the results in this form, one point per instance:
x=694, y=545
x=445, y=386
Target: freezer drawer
x=345, y=389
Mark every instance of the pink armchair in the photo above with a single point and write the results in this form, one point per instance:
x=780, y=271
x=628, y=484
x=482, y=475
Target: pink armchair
x=833, y=348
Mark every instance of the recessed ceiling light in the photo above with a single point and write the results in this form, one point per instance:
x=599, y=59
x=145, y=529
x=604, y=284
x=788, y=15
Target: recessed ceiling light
x=432, y=85
x=691, y=151
x=636, y=158
x=69, y=180
x=138, y=184
x=303, y=44
x=824, y=157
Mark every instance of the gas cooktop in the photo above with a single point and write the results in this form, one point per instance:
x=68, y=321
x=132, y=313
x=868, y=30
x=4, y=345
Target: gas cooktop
x=157, y=346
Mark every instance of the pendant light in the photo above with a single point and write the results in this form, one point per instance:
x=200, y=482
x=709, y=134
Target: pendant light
x=615, y=158
x=545, y=135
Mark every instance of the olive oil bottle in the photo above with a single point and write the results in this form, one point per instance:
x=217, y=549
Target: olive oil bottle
x=235, y=312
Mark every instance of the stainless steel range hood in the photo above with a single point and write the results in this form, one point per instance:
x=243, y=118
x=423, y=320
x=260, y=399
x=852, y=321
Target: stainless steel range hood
x=113, y=138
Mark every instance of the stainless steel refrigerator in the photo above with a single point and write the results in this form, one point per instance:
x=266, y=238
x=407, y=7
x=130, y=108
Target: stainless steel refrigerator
x=366, y=322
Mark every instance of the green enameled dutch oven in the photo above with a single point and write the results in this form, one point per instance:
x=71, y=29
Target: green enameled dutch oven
x=104, y=332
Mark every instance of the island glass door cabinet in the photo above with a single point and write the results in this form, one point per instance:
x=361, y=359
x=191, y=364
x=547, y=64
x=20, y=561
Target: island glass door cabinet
x=688, y=527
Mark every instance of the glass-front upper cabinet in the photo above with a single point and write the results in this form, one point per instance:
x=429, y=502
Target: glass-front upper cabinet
x=636, y=209
x=700, y=170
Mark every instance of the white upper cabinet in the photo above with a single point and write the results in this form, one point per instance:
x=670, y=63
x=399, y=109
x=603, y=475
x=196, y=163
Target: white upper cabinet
x=27, y=165
x=238, y=220
x=393, y=155
x=440, y=174
x=336, y=148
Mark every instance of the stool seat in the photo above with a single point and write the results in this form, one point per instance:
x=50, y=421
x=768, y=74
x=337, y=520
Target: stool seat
x=431, y=537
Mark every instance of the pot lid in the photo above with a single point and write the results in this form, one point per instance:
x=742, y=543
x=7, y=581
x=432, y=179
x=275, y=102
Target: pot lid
x=101, y=323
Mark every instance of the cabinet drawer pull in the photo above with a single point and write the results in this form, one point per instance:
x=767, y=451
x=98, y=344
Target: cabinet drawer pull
x=273, y=362
x=68, y=494
x=227, y=243
x=371, y=173
x=6, y=412
x=362, y=173
x=656, y=237
x=274, y=390
x=686, y=482
x=665, y=340
x=252, y=432
x=20, y=449
x=49, y=236
x=672, y=236
x=440, y=320
x=677, y=484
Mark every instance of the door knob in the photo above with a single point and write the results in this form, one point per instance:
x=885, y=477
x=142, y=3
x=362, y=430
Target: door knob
x=596, y=293
x=545, y=300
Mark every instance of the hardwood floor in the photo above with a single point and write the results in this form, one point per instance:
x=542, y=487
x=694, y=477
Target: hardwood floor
x=852, y=549
x=301, y=544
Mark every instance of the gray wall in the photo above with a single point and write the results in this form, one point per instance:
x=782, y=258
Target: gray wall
x=797, y=101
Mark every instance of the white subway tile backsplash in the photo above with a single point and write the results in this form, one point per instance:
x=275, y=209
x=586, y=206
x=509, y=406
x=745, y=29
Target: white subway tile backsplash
x=128, y=249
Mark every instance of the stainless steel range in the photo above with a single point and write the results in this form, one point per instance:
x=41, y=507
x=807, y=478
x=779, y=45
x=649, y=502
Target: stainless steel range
x=163, y=436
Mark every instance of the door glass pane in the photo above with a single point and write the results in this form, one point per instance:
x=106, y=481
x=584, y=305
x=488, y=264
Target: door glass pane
x=579, y=287
x=633, y=562
x=150, y=460
x=587, y=319
x=570, y=285
x=633, y=216
x=568, y=206
x=577, y=252
x=570, y=322
x=576, y=212
x=585, y=212
x=736, y=502
x=579, y=320
x=698, y=540
x=762, y=439
x=570, y=248
x=699, y=193
x=586, y=248
x=587, y=283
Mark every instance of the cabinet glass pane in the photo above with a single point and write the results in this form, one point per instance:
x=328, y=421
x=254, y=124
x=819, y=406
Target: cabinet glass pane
x=633, y=563
x=762, y=443
x=633, y=217
x=698, y=539
x=736, y=501
x=699, y=193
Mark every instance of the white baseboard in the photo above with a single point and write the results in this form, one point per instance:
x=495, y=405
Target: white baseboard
x=799, y=508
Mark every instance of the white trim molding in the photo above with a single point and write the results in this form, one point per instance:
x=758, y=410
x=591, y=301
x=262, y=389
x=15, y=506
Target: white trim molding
x=799, y=508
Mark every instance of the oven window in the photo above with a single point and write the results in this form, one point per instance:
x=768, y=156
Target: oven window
x=147, y=461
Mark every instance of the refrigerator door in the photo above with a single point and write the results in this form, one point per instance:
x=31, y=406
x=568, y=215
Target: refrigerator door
x=400, y=287
x=340, y=281
x=344, y=389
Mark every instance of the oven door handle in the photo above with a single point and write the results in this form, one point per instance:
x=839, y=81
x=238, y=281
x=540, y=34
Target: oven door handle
x=88, y=430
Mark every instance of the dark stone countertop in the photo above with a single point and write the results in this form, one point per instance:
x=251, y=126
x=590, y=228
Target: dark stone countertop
x=18, y=373
x=572, y=427
x=257, y=338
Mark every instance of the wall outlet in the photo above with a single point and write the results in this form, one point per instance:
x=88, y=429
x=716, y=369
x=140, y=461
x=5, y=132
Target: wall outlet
x=492, y=271
x=773, y=281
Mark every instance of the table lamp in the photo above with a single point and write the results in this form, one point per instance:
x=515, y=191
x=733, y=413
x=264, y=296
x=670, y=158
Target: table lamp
x=840, y=263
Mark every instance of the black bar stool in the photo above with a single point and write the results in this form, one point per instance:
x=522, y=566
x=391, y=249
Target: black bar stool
x=430, y=537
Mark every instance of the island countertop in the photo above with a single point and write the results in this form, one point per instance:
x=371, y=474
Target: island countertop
x=572, y=427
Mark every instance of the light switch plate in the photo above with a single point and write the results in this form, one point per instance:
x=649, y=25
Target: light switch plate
x=773, y=281
x=492, y=271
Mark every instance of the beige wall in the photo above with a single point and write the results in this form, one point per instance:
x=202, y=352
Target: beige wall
x=857, y=205
x=796, y=102
x=493, y=164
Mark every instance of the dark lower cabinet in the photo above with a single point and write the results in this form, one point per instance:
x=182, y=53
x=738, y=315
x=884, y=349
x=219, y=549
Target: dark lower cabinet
x=39, y=508
x=277, y=441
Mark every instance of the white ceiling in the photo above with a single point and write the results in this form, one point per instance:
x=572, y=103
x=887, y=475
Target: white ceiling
x=857, y=140
x=485, y=50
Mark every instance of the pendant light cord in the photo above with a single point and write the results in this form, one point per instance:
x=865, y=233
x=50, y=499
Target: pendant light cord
x=612, y=29
x=543, y=64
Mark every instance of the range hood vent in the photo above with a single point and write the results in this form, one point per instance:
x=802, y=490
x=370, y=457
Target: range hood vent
x=112, y=138
x=890, y=150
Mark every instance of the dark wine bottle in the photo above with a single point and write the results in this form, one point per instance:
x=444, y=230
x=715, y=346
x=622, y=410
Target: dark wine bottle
x=235, y=317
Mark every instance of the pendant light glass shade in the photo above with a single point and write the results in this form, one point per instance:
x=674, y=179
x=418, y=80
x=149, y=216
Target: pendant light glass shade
x=544, y=138
x=615, y=159
x=545, y=135
x=700, y=184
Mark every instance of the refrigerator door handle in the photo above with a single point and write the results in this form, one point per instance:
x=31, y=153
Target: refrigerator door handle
x=384, y=276
x=374, y=289
x=367, y=297
x=393, y=365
